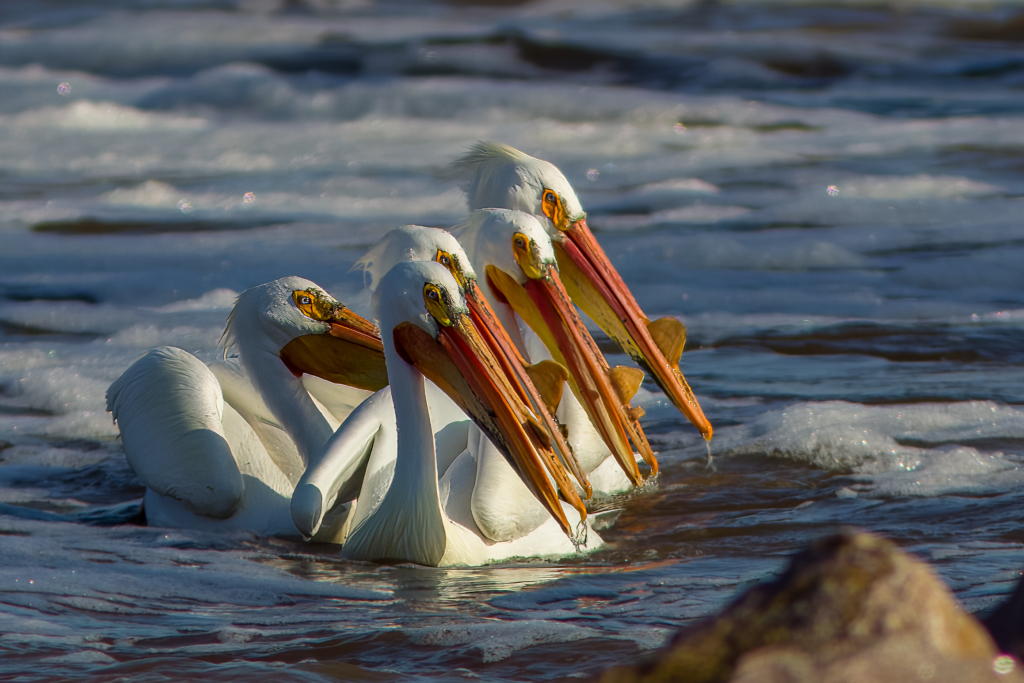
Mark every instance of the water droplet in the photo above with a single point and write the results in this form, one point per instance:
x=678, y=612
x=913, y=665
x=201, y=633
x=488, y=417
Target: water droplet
x=832, y=190
x=1003, y=664
x=248, y=199
x=64, y=89
x=679, y=128
x=185, y=206
x=592, y=174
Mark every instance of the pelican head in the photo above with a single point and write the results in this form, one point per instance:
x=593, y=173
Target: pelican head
x=416, y=243
x=501, y=176
x=512, y=241
x=427, y=323
x=309, y=330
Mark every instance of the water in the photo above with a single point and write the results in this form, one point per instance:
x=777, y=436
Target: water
x=829, y=197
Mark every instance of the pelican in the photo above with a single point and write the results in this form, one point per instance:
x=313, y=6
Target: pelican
x=221, y=447
x=514, y=512
x=500, y=176
x=411, y=514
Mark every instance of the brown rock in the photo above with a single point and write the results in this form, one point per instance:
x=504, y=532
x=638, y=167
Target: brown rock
x=852, y=608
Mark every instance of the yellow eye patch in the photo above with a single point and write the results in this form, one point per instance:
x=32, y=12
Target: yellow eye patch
x=434, y=299
x=452, y=264
x=527, y=257
x=313, y=304
x=551, y=204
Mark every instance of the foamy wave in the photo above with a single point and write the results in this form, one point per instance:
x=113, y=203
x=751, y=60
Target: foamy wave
x=920, y=186
x=217, y=298
x=87, y=115
x=870, y=439
x=152, y=193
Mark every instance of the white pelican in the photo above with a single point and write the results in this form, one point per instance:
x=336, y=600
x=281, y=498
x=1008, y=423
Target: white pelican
x=514, y=253
x=414, y=517
x=515, y=511
x=500, y=176
x=214, y=464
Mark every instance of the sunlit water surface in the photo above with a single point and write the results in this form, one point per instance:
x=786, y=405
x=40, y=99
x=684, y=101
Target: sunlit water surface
x=830, y=198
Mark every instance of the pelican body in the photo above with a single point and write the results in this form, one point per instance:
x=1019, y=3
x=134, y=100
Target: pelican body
x=222, y=447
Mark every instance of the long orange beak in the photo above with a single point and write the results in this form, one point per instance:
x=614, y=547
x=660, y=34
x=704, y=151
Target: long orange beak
x=462, y=365
x=544, y=400
x=604, y=392
x=349, y=353
x=596, y=287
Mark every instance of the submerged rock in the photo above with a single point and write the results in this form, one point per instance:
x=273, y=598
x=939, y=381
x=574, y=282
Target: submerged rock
x=852, y=608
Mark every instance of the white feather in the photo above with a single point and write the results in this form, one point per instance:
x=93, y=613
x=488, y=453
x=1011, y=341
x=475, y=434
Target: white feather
x=221, y=447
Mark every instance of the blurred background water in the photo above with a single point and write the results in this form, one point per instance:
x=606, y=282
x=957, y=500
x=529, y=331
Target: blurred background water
x=829, y=196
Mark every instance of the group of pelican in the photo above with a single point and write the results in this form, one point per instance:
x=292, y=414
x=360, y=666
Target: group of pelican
x=441, y=435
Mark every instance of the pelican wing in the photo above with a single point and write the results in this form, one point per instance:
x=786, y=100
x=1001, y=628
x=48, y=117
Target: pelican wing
x=169, y=408
x=338, y=476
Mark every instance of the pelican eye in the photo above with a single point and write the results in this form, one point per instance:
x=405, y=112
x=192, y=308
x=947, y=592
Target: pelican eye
x=312, y=305
x=452, y=264
x=436, y=303
x=527, y=256
x=551, y=205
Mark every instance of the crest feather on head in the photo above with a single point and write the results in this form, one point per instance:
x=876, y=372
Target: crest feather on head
x=498, y=176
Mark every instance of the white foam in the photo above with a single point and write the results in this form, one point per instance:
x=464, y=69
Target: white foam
x=152, y=193
x=96, y=116
x=949, y=470
x=921, y=186
x=879, y=441
x=221, y=298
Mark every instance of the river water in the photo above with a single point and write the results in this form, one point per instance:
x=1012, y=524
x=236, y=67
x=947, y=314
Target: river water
x=829, y=197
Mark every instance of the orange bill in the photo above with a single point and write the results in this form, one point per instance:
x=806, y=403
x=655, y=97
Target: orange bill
x=596, y=287
x=461, y=364
x=544, y=400
x=544, y=305
x=349, y=353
